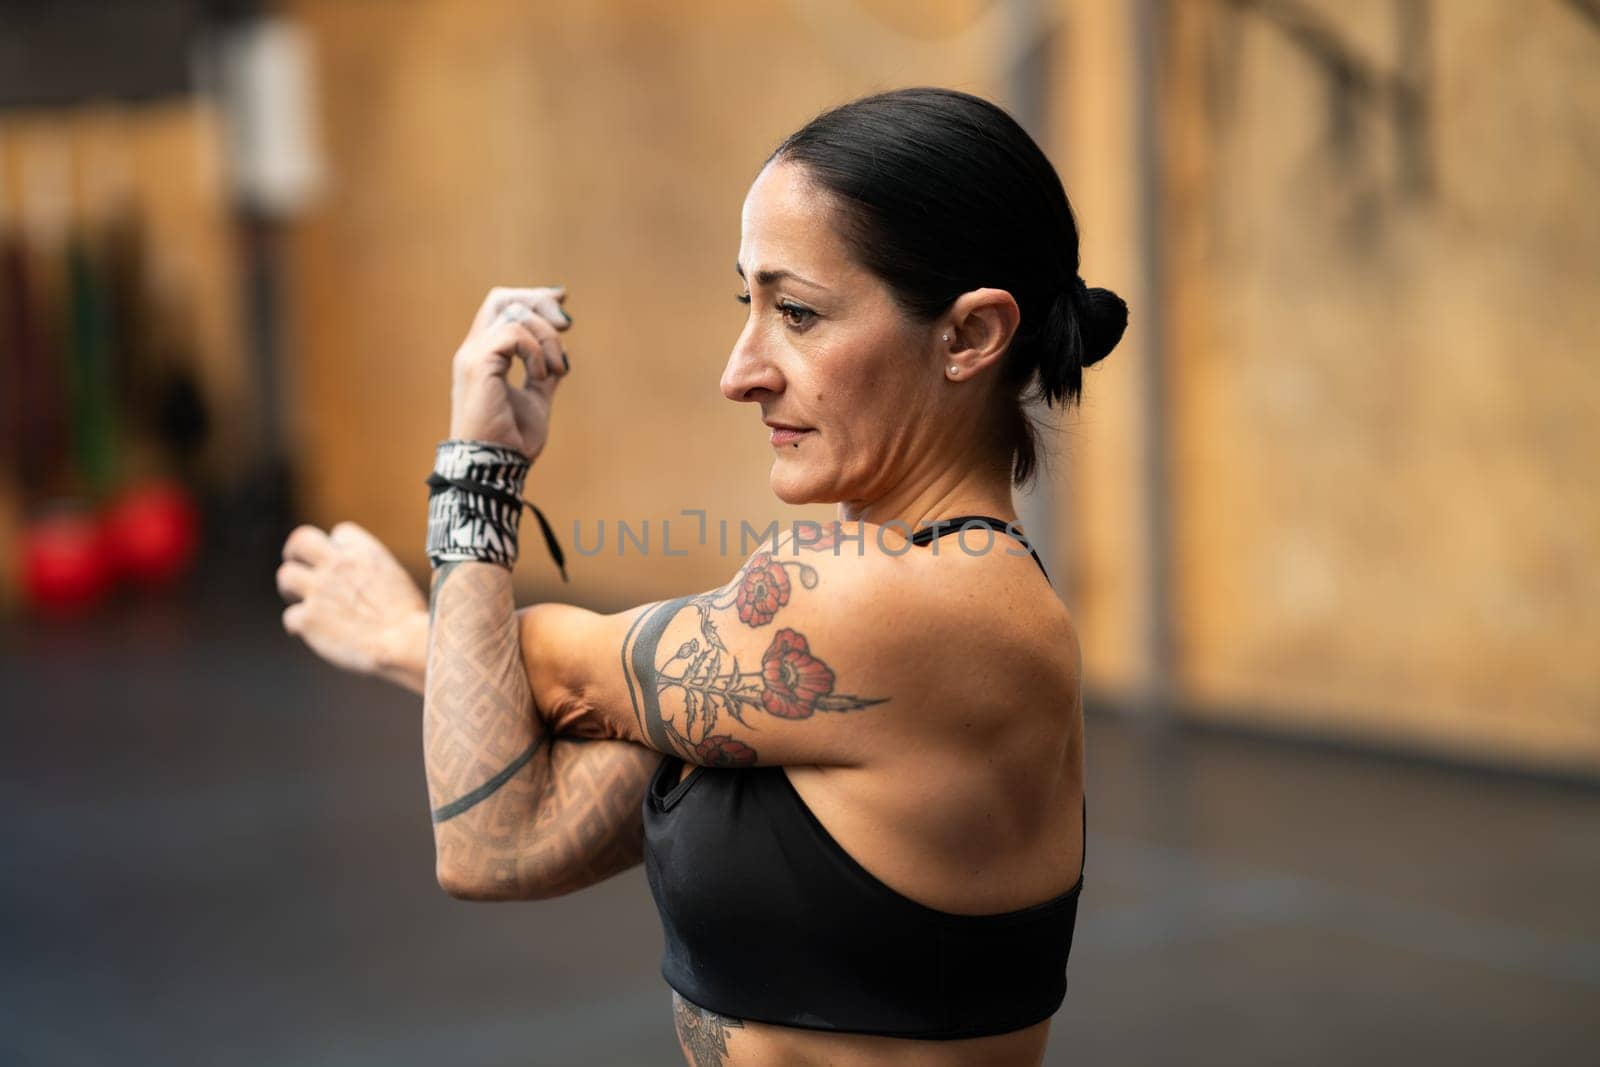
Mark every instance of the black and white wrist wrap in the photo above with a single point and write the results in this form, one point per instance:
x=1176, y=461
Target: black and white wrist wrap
x=475, y=505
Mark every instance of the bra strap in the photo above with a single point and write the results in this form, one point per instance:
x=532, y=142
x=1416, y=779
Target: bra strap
x=939, y=527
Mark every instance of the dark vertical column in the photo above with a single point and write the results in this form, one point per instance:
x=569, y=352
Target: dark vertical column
x=1411, y=96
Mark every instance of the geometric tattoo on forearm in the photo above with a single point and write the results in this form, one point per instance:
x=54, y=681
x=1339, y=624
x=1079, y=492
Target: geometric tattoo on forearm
x=494, y=782
x=446, y=812
x=565, y=814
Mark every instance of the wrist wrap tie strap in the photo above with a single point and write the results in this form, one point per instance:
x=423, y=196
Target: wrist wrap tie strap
x=475, y=504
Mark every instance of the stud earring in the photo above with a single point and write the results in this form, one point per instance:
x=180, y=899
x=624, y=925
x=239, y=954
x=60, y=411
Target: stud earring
x=947, y=337
x=954, y=370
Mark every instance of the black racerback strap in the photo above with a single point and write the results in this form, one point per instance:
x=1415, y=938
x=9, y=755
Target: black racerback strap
x=940, y=527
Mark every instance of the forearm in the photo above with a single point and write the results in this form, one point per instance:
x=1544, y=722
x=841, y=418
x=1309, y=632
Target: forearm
x=518, y=813
x=481, y=739
x=489, y=766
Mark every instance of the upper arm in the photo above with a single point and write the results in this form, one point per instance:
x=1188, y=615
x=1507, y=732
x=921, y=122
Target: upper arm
x=801, y=658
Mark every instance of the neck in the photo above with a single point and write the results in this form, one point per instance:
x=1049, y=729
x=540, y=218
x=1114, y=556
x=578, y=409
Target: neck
x=938, y=494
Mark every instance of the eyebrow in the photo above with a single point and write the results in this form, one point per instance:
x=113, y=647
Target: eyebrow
x=767, y=277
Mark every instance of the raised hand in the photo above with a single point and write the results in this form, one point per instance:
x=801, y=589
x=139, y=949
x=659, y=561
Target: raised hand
x=511, y=325
x=353, y=604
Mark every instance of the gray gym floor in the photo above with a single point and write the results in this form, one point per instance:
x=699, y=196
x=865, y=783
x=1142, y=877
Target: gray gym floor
x=217, y=851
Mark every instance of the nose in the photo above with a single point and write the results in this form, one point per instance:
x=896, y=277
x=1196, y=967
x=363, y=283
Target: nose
x=749, y=375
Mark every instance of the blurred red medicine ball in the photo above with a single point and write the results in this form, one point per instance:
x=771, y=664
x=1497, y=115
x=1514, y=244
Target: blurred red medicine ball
x=152, y=533
x=65, y=566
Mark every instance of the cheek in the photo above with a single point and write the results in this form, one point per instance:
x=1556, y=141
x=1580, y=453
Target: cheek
x=861, y=389
x=862, y=417
x=869, y=369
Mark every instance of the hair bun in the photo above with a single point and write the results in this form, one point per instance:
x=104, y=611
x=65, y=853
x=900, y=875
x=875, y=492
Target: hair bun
x=1102, y=318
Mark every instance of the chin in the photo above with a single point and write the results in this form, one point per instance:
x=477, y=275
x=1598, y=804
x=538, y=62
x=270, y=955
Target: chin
x=792, y=483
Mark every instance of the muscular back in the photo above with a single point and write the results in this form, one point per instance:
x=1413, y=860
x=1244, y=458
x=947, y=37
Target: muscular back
x=925, y=705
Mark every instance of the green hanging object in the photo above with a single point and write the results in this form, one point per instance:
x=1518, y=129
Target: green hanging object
x=89, y=378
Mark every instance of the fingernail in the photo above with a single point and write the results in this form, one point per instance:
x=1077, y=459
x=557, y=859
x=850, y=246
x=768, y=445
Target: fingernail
x=565, y=316
x=565, y=365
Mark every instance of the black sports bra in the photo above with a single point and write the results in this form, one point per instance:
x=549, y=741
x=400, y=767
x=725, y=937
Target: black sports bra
x=767, y=918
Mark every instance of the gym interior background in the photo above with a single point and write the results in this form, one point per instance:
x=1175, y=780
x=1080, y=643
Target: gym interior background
x=1327, y=519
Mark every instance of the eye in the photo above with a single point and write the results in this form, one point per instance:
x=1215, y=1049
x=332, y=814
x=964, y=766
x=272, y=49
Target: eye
x=743, y=298
x=802, y=316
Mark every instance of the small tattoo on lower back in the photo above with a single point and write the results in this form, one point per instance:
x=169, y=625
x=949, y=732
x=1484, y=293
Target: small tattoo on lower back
x=704, y=1034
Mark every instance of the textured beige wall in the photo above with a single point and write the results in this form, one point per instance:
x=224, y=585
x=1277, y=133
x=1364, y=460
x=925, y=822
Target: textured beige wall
x=1100, y=484
x=1385, y=442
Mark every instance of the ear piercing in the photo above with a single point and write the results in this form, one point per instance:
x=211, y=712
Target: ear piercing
x=954, y=370
x=947, y=337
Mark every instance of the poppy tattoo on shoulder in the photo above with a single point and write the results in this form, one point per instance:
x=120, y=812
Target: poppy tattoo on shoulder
x=682, y=695
x=764, y=588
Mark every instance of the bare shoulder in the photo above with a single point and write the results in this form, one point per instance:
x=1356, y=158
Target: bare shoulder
x=868, y=585
x=826, y=646
x=977, y=583
x=926, y=617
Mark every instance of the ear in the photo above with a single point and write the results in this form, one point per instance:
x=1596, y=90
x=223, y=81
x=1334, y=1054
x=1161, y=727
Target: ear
x=981, y=324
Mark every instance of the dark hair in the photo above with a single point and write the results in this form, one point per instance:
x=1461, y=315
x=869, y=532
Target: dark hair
x=941, y=192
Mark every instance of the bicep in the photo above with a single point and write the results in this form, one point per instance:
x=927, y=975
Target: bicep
x=788, y=663
x=571, y=657
x=723, y=688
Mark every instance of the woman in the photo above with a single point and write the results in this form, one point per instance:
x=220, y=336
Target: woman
x=861, y=760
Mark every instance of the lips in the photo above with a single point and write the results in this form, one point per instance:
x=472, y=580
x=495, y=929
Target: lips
x=784, y=434
x=788, y=435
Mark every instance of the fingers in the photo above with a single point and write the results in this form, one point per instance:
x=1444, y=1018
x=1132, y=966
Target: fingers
x=353, y=534
x=549, y=341
x=538, y=311
x=294, y=581
x=545, y=301
x=307, y=544
x=532, y=339
x=294, y=618
x=501, y=344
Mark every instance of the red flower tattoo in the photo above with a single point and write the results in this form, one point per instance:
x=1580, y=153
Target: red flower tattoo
x=762, y=591
x=794, y=679
x=720, y=750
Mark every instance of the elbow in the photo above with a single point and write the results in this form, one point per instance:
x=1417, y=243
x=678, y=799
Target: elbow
x=464, y=883
x=457, y=883
x=467, y=884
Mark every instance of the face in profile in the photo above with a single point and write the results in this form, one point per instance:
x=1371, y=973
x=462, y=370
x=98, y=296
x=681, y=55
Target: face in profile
x=849, y=384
